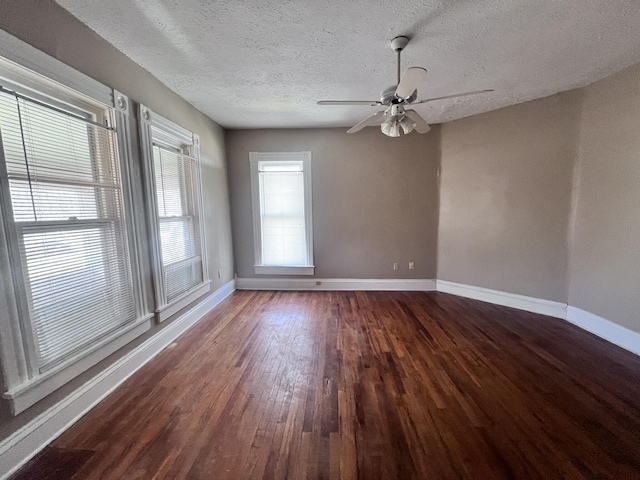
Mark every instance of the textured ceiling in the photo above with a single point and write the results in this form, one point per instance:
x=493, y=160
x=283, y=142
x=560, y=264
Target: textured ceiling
x=264, y=63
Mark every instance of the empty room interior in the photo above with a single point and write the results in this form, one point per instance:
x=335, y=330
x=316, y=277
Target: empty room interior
x=296, y=240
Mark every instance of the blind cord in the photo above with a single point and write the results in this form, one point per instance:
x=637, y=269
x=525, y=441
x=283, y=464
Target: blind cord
x=26, y=159
x=164, y=191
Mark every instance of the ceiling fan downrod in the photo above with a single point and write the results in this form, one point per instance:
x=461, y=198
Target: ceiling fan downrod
x=397, y=45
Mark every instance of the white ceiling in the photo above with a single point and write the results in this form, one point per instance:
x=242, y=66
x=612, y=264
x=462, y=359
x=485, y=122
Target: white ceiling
x=264, y=63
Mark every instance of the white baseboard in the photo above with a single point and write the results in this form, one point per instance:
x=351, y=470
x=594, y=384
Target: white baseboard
x=26, y=442
x=326, y=284
x=603, y=328
x=521, y=302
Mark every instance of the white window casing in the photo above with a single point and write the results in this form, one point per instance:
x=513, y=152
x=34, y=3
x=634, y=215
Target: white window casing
x=171, y=156
x=70, y=280
x=282, y=213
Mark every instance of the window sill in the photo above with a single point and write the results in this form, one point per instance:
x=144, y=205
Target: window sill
x=24, y=395
x=179, y=303
x=275, y=270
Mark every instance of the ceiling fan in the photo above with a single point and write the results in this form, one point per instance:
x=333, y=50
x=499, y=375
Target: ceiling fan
x=396, y=117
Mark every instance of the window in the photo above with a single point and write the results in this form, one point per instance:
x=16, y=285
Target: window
x=281, y=190
x=173, y=186
x=66, y=234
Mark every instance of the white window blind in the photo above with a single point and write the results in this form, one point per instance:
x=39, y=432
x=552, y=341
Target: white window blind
x=178, y=220
x=67, y=203
x=282, y=213
x=281, y=193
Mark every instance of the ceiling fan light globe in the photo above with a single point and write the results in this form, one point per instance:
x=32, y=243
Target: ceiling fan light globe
x=390, y=127
x=407, y=125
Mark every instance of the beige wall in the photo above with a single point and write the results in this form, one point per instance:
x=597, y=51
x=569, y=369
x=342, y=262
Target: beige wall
x=543, y=199
x=605, y=261
x=505, y=196
x=51, y=29
x=375, y=199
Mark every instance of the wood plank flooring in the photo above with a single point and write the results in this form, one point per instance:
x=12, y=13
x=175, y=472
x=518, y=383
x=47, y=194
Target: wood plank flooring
x=368, y=385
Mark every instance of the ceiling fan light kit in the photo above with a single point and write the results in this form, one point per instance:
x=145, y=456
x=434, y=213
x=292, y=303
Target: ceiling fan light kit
x=396, y=118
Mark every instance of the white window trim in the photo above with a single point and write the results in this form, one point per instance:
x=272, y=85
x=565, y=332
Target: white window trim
x=259, y=268
x=23, y=385
x=154, y=126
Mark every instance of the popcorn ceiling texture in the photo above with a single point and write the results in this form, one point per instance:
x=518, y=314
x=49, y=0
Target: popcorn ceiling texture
x=264, y=63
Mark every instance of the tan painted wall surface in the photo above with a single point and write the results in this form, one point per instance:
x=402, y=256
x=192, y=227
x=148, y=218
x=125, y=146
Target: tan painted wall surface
x=605, y=261
x=375, y=199
x=505, y=196
x=51, y=29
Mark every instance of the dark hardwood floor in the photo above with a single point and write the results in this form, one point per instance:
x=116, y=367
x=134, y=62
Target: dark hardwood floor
x=370, y=385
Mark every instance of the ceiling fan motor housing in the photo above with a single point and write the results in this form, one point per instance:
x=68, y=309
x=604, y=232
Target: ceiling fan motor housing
x=388, y=96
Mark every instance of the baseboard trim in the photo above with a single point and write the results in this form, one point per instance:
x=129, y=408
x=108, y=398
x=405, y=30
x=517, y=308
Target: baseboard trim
x=606, y=329
x=599, y=326
x=327, y=284
x=521, y=302
x=25, y=443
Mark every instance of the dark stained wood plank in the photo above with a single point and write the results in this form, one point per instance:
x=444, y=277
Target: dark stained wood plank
x=54, y=464
x=366, y=385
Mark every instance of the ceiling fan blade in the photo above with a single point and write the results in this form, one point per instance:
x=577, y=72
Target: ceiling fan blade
x=410, y=81
x=421, y=125
x=372, y=103
x=451, y=96
x=370, y=120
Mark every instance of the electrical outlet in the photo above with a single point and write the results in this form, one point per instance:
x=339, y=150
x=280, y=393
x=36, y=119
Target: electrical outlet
x=412, y=265
x=395, y=265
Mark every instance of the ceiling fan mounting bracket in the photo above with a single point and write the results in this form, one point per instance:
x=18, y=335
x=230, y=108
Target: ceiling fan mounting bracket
x=398, y=43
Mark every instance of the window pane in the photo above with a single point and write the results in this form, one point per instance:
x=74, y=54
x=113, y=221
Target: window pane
x=56, y=145
x=181, y=277
x=176, y=236
x=79, y=289
x=282, y=218
x=169, y=182
x=275, y=166
x=46, y=201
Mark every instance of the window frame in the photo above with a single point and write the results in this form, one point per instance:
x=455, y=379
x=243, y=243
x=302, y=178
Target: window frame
x=45, y=77
x=154, y=128
x=305, y=158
